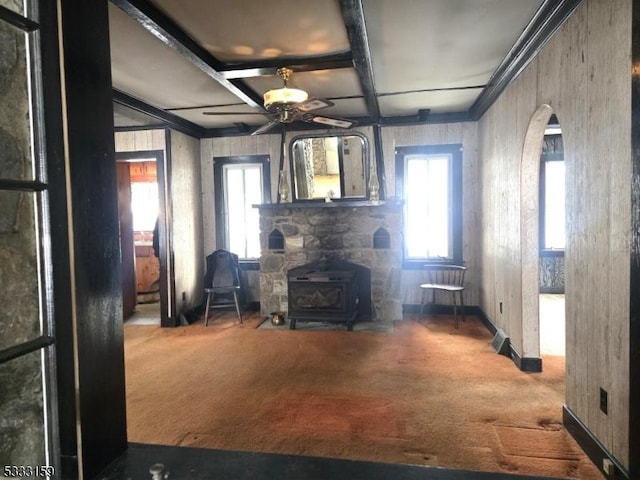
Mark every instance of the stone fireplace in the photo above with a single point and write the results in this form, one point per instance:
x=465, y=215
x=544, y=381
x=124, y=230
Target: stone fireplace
x=367, y=235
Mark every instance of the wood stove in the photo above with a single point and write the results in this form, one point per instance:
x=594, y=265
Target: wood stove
x=324, y=291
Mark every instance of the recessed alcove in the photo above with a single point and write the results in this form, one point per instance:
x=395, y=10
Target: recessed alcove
x=381, y=239
x=276, y=240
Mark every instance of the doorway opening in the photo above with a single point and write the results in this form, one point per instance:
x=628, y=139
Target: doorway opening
x=543, y=238
x=143, y=239
x=552, y=225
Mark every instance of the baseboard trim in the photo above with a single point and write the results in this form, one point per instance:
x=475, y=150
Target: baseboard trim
x=485, y=320
x=591, y=446
x=526, y=364
x=438, y=309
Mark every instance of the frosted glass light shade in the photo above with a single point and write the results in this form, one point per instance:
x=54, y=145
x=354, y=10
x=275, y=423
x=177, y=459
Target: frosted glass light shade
x=284, y=95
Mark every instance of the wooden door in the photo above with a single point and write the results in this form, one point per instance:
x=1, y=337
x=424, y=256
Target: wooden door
x=129, y=294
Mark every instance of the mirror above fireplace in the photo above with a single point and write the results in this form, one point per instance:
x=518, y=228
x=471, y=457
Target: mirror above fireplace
x=330, y=165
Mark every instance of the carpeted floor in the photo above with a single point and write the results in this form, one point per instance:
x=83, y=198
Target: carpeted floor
x=423, y=394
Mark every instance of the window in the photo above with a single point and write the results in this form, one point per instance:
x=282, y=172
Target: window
x=144, y=205
x=240, y=183
x=552, y=194
x=429, y=180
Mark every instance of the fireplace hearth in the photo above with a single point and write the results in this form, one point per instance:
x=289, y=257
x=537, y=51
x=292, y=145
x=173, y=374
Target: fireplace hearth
x=327, y=291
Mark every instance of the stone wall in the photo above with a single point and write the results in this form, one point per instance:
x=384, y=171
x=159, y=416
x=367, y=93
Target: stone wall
x=22, y=435
x=333, y=231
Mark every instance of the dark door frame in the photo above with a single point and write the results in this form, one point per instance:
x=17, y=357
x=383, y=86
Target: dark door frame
x=167, y=291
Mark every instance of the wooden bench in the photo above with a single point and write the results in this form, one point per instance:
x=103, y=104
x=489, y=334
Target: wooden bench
x=446, y=278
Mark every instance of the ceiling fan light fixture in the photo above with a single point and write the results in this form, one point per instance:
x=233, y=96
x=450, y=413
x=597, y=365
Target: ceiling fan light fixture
x=284, y=95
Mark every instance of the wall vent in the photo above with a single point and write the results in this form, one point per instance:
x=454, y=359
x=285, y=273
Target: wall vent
x=501, y=343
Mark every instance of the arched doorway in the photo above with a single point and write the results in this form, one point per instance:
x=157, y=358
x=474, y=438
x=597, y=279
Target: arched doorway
x=529, y=230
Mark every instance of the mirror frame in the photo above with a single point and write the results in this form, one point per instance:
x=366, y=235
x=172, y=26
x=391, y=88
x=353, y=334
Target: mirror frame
x=366, y=165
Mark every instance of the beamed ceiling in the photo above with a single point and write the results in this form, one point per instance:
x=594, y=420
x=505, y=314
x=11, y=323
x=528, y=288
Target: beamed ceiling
x=381, y=62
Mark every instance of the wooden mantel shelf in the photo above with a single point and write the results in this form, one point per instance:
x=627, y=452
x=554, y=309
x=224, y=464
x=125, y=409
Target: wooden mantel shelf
x=323, y=204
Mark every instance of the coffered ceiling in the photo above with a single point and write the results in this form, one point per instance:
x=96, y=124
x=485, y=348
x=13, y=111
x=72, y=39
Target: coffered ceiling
x=378, y=61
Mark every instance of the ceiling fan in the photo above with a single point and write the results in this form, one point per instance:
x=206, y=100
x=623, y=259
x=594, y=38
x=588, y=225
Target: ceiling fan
x=286, y=105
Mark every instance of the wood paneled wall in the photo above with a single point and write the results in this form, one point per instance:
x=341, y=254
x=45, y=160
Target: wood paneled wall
x=583, y=74
x=186, y=217
x=438, y=134
x=227, y=147
x=140, y=140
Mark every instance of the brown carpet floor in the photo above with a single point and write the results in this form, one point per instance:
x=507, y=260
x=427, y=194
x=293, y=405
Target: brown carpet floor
x=424, y=394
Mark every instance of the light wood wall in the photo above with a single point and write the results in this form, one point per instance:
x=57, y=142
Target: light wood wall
x=186, y=218
x=226, y=147
x=139, y=140
x=583, y=73
x=439, y=134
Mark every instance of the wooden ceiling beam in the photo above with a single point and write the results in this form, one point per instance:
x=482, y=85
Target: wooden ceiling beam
x=549, y=17
x=167, y=118
x=164, y=29
x=269, y=66
x=353, y=15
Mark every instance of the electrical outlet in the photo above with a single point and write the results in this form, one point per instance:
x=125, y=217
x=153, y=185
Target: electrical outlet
x=604, y=401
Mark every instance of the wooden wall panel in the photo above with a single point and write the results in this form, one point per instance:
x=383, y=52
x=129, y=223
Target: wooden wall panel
x=225, y=147
x=186, y=214
x=437, y=134
x=583, y=73
x=139, y=140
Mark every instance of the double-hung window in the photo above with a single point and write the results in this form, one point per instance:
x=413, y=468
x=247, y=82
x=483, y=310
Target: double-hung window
x=240, y=183
x=429, y=181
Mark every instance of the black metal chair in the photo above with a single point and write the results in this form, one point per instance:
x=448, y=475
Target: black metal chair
x=448, y=278
x=222, y=283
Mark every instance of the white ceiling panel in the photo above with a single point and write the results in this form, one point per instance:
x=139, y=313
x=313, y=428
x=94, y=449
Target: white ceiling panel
x=418, y=44
x=244, y=30
x=437, y=102
x=145, y=68
x=346, y=107
x=219, y=121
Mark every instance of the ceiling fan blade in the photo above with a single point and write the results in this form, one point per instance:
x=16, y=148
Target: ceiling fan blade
x=332, y=121
x=265, y=128
x=313, y=104
x=232, y=113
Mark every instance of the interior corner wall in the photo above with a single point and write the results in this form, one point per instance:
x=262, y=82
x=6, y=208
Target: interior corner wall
x=583, y=73
x=187, y=225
